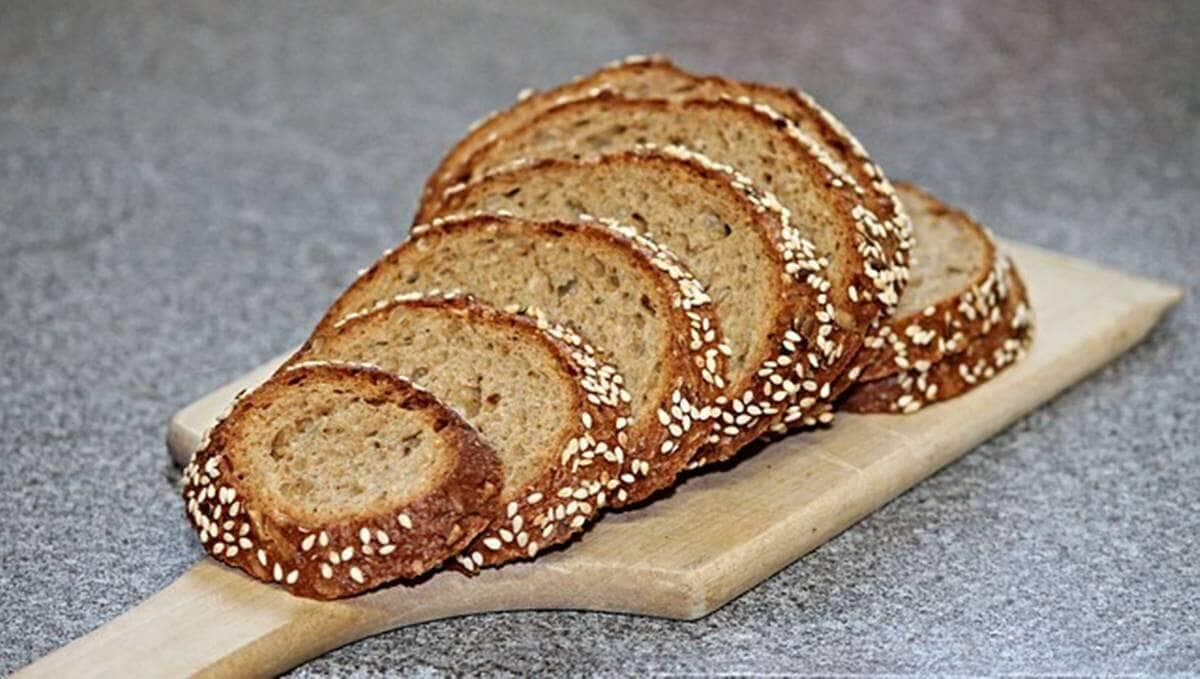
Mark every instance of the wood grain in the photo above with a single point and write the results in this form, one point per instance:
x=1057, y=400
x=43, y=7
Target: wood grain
x=717, y=535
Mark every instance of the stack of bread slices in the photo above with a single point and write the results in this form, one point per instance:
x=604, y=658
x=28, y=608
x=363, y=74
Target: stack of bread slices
x=614, y=281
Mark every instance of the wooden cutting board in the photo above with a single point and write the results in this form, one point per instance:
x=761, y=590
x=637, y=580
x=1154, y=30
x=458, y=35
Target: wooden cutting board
x=719, y=534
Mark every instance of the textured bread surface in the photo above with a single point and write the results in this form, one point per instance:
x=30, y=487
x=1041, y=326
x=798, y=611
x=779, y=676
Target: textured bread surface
x=778, y=158
x=983, y=357
x=732, y=235
x=956, y=292
x=621, y=291
x=553, y=411
x=333, y=479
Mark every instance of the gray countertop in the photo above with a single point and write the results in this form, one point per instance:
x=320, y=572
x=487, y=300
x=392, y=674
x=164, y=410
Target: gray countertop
x=185, y=186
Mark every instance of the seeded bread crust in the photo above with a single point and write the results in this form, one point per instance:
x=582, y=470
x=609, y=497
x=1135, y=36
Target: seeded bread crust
x=862, y=290
x=673, y=176
x=240, y=528
x=943, y=326
x=984, y=357
x=655, y=76
x=658, y=445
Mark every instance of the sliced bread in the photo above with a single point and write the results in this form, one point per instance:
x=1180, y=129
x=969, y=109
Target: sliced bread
x=982, y=358
x=735, y=237
x=856, y=284
x=334, y=479
x=956, y=292
x=554, y=412
x=622, y=291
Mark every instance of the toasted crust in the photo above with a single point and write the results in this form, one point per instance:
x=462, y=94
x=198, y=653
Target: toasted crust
x=591, y=469
x=844, y=312
x=984, y=357
x=944, y=326
x=692, y=360
x=750, y=403
x=239, y=527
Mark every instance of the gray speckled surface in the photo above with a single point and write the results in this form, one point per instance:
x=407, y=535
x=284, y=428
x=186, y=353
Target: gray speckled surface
x=183, y=188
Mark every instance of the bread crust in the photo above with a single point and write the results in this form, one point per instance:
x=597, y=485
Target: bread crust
x=242, y=529
x=984, y=357
x=946, y=326
x=837, y=325
x=693, y=357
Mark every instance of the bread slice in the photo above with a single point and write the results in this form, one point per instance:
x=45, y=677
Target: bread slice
x=620, y=290
x=956, y=293
x=655, y=76
x=983, y=358
x=736, y=238
x=333, y=479
x=855, y=286
x=554, y=411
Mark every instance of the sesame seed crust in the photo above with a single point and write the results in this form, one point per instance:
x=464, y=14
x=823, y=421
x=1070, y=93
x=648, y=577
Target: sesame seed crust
x=985, y=356
x=240, y=525
x=945, y=326
x=772, y=380
x=693, y=357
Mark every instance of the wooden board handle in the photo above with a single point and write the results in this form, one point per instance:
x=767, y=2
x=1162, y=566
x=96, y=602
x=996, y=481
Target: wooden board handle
x=212, y=620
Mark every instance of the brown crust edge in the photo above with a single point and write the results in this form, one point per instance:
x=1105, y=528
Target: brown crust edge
x=985, y=357
x=370, y=551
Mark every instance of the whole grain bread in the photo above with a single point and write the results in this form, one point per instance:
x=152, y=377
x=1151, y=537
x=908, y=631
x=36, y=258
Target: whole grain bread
x=855, y=284
x=735, y=237
x=334, y=479
x=622, y=291
x=555, y=412
x=983, y=357
x=957, y=291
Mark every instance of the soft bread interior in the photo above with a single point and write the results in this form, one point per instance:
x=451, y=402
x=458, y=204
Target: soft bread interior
x=705, y=228
x=326, y=453
x=582, y=281
x=512, y=390
x=948, y=255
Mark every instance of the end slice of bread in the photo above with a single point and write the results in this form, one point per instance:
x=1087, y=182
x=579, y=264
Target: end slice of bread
x=555, y=412
x=957, y=292
x=625, y=293
x=334, y=479
x=735, y=237
x=984, y=357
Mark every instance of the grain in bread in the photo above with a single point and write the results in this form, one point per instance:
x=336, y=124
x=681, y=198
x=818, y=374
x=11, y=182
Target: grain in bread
x=735, y=237
x=553, y=410
x=623, y=292
x=983, y=357
x=854, y=288
x=334, y=479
